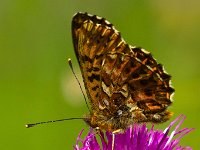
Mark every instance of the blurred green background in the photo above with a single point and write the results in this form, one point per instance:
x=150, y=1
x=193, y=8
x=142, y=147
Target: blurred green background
x=36, y=83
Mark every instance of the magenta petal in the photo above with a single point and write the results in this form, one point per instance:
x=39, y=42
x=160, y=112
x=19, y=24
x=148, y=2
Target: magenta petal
x=137, y=137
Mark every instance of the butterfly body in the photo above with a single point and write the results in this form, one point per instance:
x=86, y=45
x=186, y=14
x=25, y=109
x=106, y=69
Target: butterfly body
x=124, y=84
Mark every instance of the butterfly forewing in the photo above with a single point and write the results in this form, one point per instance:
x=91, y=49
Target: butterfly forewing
x=124, y=84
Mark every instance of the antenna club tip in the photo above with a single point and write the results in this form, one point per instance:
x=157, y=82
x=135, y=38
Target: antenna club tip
x=69, y=60
x=70, y=63
x=29, y=125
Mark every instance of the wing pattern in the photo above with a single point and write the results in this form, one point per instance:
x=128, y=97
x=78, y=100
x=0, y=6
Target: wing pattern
x=124, y=84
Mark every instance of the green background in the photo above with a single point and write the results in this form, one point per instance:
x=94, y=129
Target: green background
x=36, y=83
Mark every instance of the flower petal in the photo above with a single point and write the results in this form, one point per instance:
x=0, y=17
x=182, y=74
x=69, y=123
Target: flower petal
x=137, y=137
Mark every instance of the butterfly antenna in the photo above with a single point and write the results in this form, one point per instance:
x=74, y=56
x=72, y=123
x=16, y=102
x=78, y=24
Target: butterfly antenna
x=71, y=66
x=51, y=121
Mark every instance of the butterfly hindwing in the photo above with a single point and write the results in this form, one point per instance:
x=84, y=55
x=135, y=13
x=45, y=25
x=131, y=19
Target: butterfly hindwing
x=124, y=84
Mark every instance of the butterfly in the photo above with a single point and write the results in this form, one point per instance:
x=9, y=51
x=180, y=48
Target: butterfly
x=124, y=83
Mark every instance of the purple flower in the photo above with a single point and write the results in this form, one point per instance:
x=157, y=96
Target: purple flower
x=137, y=137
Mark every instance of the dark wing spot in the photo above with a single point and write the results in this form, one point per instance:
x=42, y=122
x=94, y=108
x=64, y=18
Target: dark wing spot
x=94, y=77
x=95, y=69
x=148, y=92
x=165, y=77
x=135, y=75
x=86, y=58
x=170, y=90
x=144, y=82
x=97, y=95
x=94, y=88
x=98, y=56
x=127, y=70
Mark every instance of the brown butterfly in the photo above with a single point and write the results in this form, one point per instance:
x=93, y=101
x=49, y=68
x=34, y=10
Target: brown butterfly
x=124, y=83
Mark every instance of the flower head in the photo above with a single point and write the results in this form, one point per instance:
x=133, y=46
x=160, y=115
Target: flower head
x=137, y=137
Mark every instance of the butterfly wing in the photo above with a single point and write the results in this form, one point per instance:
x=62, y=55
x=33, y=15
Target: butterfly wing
x=120, y=80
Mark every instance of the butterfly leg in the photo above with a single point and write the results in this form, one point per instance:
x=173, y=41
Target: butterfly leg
x=113, y=141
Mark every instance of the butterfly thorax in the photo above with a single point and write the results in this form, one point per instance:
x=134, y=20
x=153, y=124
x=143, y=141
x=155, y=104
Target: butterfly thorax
x=110, y=122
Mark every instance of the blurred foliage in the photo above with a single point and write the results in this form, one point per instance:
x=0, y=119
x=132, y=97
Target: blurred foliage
x=36, y=83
